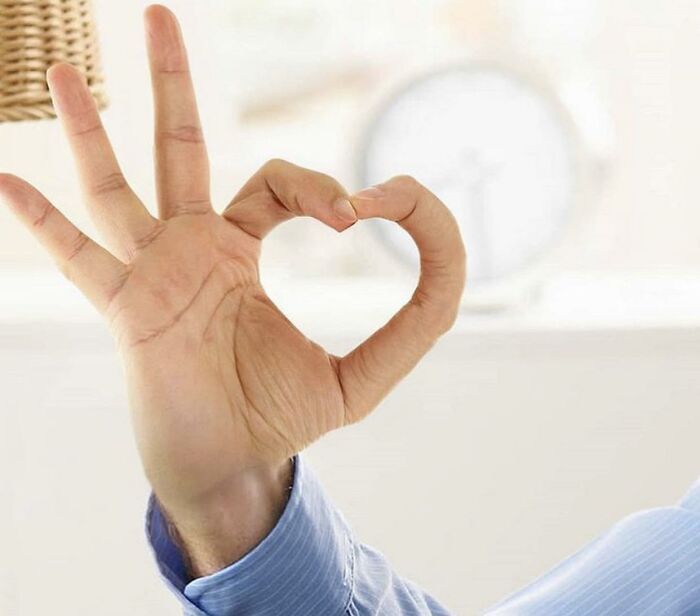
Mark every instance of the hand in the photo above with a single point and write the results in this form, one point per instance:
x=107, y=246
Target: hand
x=223, y=388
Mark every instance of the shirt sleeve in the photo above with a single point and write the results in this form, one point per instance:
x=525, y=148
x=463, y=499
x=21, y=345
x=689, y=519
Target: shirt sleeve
x=647, y=564
x=309, y=564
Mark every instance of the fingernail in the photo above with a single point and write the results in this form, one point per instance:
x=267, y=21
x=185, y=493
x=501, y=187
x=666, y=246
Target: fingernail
x=343, y=209
x=373, y=192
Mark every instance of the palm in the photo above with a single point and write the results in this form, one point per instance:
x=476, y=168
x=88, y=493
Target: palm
x=219, y=380
x=201, y=338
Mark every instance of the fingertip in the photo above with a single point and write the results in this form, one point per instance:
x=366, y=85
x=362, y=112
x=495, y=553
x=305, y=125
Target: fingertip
x=155, y=14
x=344, y=226
x=6, y=177
x=61, y=72
x=51, y=74
x=344, y=210
x=156, y=9
x=22, y=198
x=161, y=22
x=68, y=88
x=152, y=8
x=163, y=34
x=366, y=208
x=10, y=184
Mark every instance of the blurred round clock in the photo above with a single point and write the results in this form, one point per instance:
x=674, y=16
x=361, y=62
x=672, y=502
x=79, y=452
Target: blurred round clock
x=499, y=150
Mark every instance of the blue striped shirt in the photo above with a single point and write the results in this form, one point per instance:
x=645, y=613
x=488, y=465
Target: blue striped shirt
x=311, y=565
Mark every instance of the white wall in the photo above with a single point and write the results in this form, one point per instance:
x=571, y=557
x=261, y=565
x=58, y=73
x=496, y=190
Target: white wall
x=639, y=57
x=503, y=453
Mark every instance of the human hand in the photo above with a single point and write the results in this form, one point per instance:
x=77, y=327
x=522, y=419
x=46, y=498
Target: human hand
x=223, y=388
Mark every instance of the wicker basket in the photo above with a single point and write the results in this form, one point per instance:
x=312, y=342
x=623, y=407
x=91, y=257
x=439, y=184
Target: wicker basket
x=34, y=34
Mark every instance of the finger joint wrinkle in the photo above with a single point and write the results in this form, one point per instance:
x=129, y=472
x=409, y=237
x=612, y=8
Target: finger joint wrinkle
x=187, y=134
x=46, y=212
x=113, y=182
x=79, y=243
x=93, y=128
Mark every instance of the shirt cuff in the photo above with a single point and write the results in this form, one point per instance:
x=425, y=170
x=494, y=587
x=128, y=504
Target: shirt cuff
x=304, y=566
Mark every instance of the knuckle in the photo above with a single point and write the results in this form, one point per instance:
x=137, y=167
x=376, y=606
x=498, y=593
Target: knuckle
x=46, y=211
x=114, y=182
x=406, y=183
x=328, y=182
x=144, y=241
x=437, y=314
x=187, y=133
x=183, y=207
x=442, y=320
x=116, y=286
x=448, y=318
x=275, y=164
x=90, y=129
x=77, y=245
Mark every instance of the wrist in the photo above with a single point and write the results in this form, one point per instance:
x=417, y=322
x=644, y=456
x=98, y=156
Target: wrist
x=221, y=528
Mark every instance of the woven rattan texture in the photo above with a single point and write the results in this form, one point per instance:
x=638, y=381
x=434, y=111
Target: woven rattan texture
x=34, y=34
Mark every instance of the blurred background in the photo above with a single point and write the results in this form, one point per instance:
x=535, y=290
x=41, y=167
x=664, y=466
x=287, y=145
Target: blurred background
x=564, y=136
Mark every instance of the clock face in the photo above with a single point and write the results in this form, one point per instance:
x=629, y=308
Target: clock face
x=495, y=149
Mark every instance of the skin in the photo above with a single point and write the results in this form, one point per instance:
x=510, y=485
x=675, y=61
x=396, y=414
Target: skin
x=223, y=389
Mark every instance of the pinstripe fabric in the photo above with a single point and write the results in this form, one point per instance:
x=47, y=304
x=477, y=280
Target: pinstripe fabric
x=646, y=565
x=310, y=565
x=304, y=566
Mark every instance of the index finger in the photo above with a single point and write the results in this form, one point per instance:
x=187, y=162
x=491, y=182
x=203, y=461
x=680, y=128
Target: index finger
x=280, y=191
